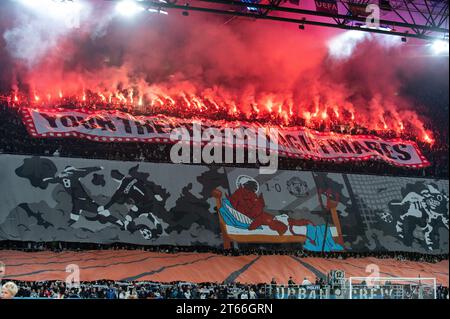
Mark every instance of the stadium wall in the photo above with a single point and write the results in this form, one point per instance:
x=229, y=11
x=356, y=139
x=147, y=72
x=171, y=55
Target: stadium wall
x=79, y=200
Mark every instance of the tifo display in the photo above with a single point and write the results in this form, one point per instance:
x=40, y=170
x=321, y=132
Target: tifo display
x=69, y=199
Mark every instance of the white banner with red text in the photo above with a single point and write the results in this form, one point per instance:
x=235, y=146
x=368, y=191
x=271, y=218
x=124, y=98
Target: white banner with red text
x=297, y=142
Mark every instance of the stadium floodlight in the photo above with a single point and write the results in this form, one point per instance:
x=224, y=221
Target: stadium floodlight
x=440, y=47
x=380, y=27
x=129, y=8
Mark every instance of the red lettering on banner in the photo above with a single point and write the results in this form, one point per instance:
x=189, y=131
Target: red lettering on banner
x=298, y=142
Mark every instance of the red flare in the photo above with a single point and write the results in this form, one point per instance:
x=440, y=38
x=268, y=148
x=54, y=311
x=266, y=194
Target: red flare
x=269, y=106
x=102, y=97
x=214, y=104
x=428, y=139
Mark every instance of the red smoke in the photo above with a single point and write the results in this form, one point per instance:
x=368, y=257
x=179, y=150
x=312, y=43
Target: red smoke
x=210, y=66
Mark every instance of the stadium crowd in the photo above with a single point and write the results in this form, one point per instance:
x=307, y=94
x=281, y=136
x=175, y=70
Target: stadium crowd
x=108, y=289
x=14, y=139
x=243, y=250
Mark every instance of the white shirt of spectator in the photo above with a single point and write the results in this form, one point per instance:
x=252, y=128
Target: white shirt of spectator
x=306, y=282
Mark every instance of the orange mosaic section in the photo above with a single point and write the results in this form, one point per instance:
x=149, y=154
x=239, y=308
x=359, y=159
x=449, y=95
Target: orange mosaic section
x=135, y=265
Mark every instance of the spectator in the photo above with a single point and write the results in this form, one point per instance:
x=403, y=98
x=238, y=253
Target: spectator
x=306, y=282
x=244, y=295
x=133, y=294
x=252, y=294
x=9, y=290
x=291, y=282
x=273, y=282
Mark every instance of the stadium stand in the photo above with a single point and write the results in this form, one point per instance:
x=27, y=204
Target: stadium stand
x=126, y=271
x=14, y=139
x=99, y=98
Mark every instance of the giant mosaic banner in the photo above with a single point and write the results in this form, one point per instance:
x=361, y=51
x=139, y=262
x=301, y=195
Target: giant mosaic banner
x=79, y=200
